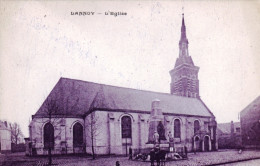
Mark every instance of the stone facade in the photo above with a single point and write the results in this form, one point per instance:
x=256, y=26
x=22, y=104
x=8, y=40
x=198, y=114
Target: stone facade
x=63, y=134
x=108, y=139
x=5, y=138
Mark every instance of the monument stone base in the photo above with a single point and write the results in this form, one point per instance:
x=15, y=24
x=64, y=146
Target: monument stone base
x=162, y=146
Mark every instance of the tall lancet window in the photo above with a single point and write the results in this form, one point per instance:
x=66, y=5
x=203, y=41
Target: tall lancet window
x=77, y=135
x=48, y=135
x=177, y=128
x=196, y=126
x=126, y=126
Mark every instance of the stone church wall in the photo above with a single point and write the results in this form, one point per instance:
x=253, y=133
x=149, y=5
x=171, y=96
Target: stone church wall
x=108, y=132
x=63, y=134
x=110, y=141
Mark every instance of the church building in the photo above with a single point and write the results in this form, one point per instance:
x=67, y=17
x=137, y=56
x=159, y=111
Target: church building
x=79, y=116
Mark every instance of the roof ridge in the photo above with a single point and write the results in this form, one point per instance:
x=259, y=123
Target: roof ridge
x=115, y=97
x=127, y=88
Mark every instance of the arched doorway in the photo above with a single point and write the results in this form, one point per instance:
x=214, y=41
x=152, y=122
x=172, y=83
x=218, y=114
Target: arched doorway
x=206, y=143
x=197, y=144
x=78, y=138
x=48, y=136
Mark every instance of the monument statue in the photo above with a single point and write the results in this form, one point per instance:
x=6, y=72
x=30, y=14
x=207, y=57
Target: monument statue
x=161, y=131
x=156, y=123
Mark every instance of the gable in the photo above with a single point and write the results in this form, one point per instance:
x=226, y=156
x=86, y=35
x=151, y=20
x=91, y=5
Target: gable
x=254, y=106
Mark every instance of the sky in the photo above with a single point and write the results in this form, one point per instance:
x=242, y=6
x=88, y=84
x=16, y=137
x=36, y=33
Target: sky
x=41, y=41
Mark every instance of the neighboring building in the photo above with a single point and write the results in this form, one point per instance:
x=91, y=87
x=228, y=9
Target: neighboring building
x=250, y=124
x=115, y=118
x=5, y=138
x=229, y=135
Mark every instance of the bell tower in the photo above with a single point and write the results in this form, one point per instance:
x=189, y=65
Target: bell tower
x=184, y=75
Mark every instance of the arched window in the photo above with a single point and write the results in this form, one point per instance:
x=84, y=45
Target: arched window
x=196, y=126
x=177, y=128
x=77, y=135
x=48, y=135
x=126, y=126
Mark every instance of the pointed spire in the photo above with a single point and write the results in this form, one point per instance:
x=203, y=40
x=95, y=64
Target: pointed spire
x=183, y=30
x=183, y=44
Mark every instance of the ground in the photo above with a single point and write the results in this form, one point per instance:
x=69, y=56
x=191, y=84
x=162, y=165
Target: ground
x=203, y=158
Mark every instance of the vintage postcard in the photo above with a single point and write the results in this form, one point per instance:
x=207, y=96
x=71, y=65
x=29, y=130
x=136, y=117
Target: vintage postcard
x=129, y=82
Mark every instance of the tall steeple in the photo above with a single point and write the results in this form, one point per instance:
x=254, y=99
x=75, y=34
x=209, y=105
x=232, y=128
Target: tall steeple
x=184, y=76
x=183, y=31
x=183, y=44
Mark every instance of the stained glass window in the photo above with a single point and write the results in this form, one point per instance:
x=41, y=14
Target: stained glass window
x=196, y=126
x=177, y=128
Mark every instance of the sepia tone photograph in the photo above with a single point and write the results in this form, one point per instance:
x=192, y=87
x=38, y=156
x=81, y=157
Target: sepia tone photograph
x=129, y=83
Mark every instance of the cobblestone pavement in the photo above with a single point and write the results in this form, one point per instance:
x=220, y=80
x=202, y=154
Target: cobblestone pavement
x=246, y=163
x=205, y=158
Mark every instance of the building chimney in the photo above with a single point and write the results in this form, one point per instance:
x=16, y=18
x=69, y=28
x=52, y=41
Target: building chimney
x=232, y=128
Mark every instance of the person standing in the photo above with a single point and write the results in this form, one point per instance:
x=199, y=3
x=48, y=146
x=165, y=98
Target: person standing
x=186, y=151
x=117, y=163
x=130, y=153
x=158, y=156
x=152, y=157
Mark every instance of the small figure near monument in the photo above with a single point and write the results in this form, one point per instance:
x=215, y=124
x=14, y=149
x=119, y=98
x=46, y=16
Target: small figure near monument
x=171, y=141
x=170, y=136
x=156, y=137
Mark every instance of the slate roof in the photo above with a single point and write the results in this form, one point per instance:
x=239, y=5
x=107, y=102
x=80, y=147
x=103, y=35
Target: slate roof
x=226, y=127
x=76, y=98
x=254, y=106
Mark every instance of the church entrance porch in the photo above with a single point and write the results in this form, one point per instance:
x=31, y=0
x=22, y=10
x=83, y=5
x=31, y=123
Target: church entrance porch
x=78, y=143
x=197, y=144
x=207, y=143
x=201, y=142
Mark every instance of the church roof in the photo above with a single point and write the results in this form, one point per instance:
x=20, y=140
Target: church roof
x=76, y=98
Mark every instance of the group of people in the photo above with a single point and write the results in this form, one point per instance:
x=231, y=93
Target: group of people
x=158, y=156
x=155, y=155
